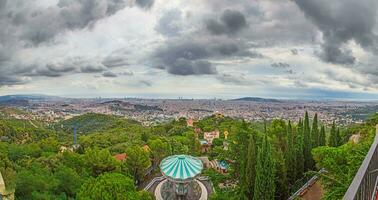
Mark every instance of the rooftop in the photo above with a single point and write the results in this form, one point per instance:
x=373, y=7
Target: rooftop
x=181, y=167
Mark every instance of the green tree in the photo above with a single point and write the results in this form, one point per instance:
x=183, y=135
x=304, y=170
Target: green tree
x=265, y=173
x=334, y=136
x=68, y=180
x=34, y=181
x=308, y=161
x=145, y=136
x=338, y=137
x=290, y=155
x=281, y=176
x=109, y=186
x=299, y=150
x=250, y=170
x=137, y=162
x=277, y=130
x=315, y=131
x=194, y=145
x=159, y=149
x=239, y=153
x=322, y=136
x=99, y=161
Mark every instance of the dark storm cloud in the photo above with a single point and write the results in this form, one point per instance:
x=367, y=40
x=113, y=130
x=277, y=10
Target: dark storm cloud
x=2, y=4
x=233, y=49
x=111, y=62
x=189, y=57
x=127, y=73
x=109, y=74
x=92, y=68
x=144, y=3
x=290, y=71
x=169, y=23
x=10, y=80
x=185, y=59
x=294, y=51
x=36, y=25
x=117, y=58
x=48, y=70
x=25, y=25
x=231, y=22
x=340, y=22
x=187, y=50
x=45, y=72
x=60, y=68
x=227, y=49
x=146, y=83
x=334, y=53
x=186, y=67
x=280, y=65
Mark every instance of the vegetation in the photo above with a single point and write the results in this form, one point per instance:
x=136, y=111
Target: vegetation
x=266, y=160
x=343, y=160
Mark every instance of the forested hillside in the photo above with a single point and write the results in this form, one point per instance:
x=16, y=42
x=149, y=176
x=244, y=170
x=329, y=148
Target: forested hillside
x=266, y=160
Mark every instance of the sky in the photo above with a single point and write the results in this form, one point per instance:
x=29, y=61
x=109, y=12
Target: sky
x=192, y=49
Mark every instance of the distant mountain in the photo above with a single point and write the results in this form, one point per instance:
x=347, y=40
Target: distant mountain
x=257, y=99
x=27, y=97
x=24, y=100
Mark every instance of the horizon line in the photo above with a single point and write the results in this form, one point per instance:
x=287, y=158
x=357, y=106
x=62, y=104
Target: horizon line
x=179, y=97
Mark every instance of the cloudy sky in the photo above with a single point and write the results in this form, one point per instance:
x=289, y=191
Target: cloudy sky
x=193, y=49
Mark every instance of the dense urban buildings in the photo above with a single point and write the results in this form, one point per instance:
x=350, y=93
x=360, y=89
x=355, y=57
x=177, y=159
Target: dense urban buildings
x=152, y=111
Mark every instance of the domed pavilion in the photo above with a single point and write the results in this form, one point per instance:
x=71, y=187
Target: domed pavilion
x=181, y=179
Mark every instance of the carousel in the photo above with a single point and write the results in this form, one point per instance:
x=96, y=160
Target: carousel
x=180, y=182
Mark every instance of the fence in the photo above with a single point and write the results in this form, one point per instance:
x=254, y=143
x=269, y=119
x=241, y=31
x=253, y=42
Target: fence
x=364, y=184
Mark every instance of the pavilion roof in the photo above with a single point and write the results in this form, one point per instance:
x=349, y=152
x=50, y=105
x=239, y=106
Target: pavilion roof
x=181, y=167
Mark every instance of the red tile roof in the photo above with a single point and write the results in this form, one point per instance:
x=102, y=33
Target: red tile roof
x=120, y=157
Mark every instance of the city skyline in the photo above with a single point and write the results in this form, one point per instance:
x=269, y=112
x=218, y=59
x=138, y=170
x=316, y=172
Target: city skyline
x=299, y=49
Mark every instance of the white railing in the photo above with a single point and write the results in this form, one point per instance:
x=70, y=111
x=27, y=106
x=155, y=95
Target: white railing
x=308, y=184
x=364, y=184
x=160, y=178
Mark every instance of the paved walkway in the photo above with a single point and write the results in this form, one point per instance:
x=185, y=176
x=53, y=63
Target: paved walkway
x=315, y=192
x=158, y=190
x=203, y=190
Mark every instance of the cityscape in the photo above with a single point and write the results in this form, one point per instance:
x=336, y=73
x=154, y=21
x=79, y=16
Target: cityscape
x=188, y=100
x=152, y=111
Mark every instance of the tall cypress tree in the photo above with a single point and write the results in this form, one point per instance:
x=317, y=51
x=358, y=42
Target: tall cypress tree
x=240, y=158
x=338, y=137
x=333, y=136
x=265, y=173
x=290, y=155
x=322, y=137
x=281, y=179
x=250, y=171
x=315, y=131
x=307, y=143
x=299, y=150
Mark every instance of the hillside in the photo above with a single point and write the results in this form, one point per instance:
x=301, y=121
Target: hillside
x=257, y=99
x=31, y=152
x=24, y=100
x=27, y=97
x=92, y=122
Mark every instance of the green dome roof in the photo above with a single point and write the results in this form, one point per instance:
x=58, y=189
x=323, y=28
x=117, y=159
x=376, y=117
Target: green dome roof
x=181, y=167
